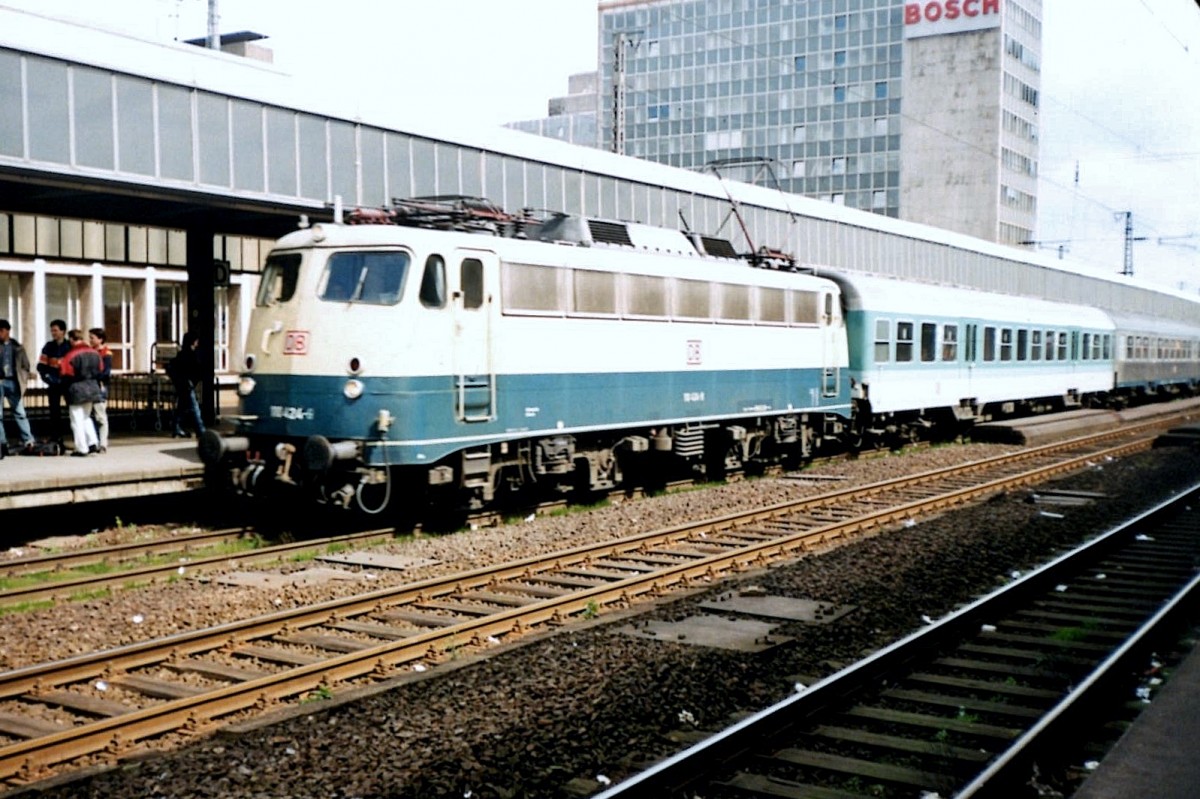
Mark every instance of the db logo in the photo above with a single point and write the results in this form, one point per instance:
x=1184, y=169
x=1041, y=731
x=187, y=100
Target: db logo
x=295, y=342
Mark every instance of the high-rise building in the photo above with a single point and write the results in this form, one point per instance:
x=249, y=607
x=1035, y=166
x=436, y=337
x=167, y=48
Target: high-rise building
x=926, y=111
x=572, y=117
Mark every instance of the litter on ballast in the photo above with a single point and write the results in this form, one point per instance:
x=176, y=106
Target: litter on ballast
x=1050, y=515
x=1060, y=587
x=987, y=628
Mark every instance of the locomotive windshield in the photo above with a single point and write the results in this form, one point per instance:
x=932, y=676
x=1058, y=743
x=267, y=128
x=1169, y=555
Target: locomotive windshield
x=279, y=278
x=370, y=277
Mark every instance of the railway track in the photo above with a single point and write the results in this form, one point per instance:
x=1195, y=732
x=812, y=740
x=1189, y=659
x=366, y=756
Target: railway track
x=104, y=704
x=966, y=707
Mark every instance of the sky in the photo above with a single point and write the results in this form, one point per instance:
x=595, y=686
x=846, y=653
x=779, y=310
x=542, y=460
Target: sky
x=1120, y=94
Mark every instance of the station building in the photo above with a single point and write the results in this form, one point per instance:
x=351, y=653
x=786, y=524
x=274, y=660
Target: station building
x=141, y=184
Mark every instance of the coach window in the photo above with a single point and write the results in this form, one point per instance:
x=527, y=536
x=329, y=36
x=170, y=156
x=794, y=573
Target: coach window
x=1035, y=345
x=1086, y=353
x=1022, y=345
x=1049, y=345
x=928, y=341
x=949, y=342
x=472, y=283
x=278, y=282
x=904, y=341
x=433, y=282
x=883, y=340
x=1006, y=344
x=989, y=343
x=1062, y=345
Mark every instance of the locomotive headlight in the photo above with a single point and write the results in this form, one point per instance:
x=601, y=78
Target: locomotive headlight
x=353, y=389
x=245, y=385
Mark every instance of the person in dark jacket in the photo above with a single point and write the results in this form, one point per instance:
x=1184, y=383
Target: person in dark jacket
x=80, y=372
x=14, y=376
x=96, y=339
x=49, y=367
x=185, y=373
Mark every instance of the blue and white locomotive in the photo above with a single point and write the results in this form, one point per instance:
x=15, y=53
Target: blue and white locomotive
x=406, y=364
x=426, y=364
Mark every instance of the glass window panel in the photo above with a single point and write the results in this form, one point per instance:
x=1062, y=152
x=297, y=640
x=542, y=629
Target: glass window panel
x=399, y=167
x=313, y=167
x=433, y=282
x=531, y=288
x=135, y=125
x=47, y=235
x=493, y=178
x=177, y=248
x=904, y=342
x=447, y=169
x=93, y=241
x=424, y=168
x=594, y=292
x=471, y=280
x=12, y=139
x=70, y=238
x=137, y=244
x=248, y=163
x=535, y=186
x=156, y=245
x=376, y=278
x=989, y=343
x=118, y=321
x=374, y=184
x=949, y=342
x=342, y=156
x=806, y=307
x=1006, y=344
x=278, y=284
x=281, y=151
x=554, y=188
x=572, y=192
x=168, y=311
x=175, y=132
x=772, y=305
x=49, y=126
x=928, y=341
x=114, y=242
x=733, y=302
x=93, y=118
x=62, y=299
x=645, y=295
x=514, y=184
x=693, y=299
x=213, y=118
x=1035, y=351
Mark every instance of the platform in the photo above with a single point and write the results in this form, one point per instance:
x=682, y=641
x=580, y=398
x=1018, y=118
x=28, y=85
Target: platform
x=1034, y=430
x=134, y=466
x=1156, y=757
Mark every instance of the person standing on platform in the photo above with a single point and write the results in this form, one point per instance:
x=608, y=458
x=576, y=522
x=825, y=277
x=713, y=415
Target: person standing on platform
x=80, y=373
x=96, y=339
x=14, y=376
x=184, y=371
x=49, y=364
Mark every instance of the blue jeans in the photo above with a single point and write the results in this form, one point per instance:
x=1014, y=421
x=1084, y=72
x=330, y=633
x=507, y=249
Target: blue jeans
x=186, y=405
x=9, y=391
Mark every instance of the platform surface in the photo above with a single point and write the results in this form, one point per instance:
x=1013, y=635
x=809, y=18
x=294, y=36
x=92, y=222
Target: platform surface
x=134, y=466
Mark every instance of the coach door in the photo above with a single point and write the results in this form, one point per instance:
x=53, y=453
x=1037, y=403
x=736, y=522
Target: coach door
x=472, y=285
x=832, y=332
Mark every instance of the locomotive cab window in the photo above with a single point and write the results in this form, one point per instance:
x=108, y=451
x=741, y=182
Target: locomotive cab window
x=373, y=277
x=279, y=279
x=433, y=282
x=471, y=275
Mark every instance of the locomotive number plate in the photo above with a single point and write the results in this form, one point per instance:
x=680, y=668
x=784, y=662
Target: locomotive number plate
x=295, y=342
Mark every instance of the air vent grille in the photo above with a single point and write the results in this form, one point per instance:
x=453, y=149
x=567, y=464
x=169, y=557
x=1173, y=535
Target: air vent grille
x=609, y=233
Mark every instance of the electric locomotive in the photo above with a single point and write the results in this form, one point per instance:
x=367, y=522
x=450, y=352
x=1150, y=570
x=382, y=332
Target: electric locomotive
x=424, y=364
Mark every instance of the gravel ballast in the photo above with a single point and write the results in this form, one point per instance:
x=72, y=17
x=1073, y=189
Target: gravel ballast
x=564, y=713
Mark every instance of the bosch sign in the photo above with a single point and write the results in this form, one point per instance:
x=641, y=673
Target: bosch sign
x=936, y=17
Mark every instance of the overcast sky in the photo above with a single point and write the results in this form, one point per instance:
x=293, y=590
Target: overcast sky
x=1120, y=91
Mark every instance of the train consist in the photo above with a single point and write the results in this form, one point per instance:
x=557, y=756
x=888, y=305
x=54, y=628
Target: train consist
x=454, y=354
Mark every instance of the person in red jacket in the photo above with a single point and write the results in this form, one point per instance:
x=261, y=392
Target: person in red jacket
x=80, y=372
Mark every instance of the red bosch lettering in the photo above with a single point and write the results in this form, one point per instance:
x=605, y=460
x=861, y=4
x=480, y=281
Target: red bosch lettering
x=936, y=10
